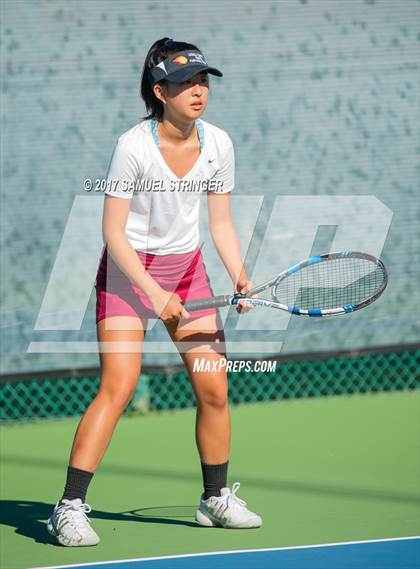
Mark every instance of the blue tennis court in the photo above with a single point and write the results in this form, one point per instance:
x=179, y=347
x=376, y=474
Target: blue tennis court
x=402, y=553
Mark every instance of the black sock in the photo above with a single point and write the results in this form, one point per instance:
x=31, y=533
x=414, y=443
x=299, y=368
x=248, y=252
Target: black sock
x=77, y=483
x=214, y=478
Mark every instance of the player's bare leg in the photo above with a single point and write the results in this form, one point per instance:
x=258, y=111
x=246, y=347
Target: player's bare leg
x=219, y=506
x=120, y=341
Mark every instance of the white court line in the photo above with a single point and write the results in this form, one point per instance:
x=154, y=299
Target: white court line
x=206, y=553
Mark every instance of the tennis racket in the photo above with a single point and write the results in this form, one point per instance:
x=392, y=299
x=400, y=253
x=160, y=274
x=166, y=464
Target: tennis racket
x=324, y=285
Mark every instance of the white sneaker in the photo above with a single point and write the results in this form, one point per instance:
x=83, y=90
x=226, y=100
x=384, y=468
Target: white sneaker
x=227, y=511
x=70, y=524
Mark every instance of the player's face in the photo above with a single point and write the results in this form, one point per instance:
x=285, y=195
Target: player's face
x=188, y=100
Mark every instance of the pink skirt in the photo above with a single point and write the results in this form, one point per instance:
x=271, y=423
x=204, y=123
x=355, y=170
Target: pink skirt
x=183, y=274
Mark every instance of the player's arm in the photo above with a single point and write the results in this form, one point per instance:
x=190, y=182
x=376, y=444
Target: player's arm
x=113, y=230
x=165, y=304
x=123, y=172
x=225, y=239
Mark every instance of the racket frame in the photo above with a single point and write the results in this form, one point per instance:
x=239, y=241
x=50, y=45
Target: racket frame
x=225, y=300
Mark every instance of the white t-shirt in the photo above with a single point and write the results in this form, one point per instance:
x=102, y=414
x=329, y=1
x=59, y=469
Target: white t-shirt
x=164, y=209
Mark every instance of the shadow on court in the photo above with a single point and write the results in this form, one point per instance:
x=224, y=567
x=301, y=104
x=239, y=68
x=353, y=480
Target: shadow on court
x=29, y=518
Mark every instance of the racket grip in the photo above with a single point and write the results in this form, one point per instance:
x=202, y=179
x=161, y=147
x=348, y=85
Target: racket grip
x=215, y=302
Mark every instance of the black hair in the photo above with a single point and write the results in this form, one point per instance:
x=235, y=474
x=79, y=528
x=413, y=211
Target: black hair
x=159, y=51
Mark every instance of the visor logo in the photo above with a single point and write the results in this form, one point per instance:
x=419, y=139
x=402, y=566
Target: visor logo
x=180, y=60
x=197, y=58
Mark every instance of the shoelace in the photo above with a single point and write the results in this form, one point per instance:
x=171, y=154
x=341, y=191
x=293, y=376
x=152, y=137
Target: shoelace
x=76, y=513
x=233, y=498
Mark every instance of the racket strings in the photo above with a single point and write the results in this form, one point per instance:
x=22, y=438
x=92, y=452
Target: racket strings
x=331, y=284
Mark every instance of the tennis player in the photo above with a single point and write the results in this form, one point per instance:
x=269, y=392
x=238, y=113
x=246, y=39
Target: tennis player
x=151, y=263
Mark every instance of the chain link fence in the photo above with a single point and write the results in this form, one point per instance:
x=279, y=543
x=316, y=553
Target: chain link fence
x=67, y=394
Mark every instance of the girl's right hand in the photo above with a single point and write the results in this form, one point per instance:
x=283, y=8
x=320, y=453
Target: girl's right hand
x=167, y=306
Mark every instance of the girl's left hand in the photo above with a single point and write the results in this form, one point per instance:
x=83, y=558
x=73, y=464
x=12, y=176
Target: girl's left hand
x=244, y=285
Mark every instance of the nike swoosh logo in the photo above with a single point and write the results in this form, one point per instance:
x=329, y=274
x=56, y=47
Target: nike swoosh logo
x=210, y=161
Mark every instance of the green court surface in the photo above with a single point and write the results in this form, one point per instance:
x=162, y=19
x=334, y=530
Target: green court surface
x=317, y=470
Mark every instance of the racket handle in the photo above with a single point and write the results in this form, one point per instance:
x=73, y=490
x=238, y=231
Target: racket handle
x=215, y=302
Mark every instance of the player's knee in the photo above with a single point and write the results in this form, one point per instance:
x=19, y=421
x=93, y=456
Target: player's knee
x=118, y=396
x=216, y=397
